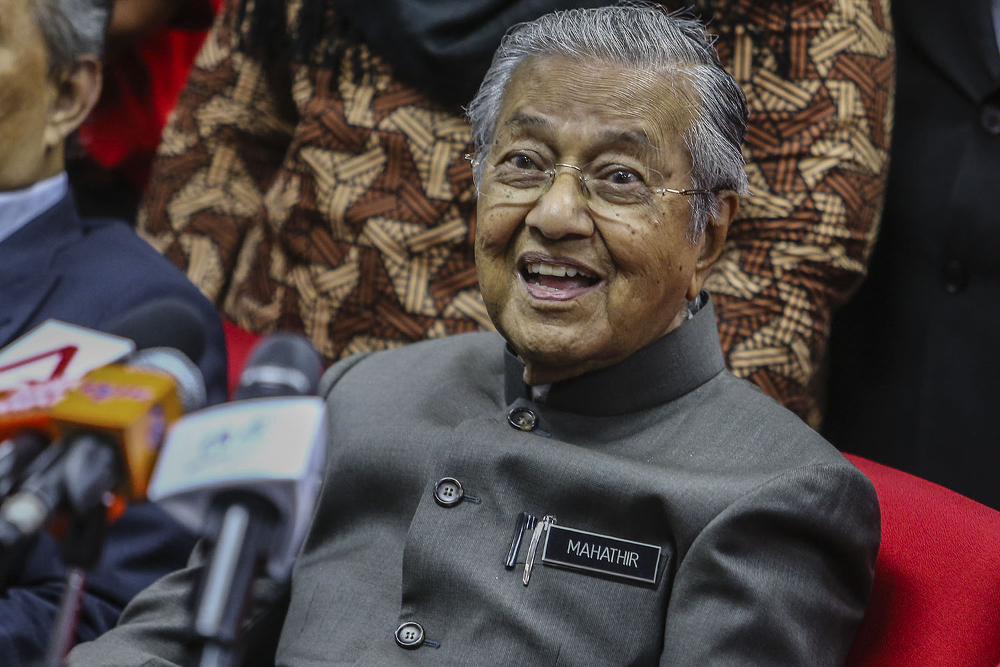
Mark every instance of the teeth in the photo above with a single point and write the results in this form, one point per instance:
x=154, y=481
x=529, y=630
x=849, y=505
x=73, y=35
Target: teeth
x=554, y=270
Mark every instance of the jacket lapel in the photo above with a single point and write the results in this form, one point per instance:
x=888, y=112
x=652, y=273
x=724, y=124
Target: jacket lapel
x=978, y=18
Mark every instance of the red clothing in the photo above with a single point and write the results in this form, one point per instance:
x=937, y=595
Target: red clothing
x=141, y=87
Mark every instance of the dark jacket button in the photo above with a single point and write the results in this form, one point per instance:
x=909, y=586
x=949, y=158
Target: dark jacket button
x=954, y=276
x=523, y=419
x=410, y=635
x=990, y=119
x=448, y=491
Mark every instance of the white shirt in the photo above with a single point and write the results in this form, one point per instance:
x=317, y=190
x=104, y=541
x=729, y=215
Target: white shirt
x=19, y=207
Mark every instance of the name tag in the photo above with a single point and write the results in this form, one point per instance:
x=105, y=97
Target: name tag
x=581, y=550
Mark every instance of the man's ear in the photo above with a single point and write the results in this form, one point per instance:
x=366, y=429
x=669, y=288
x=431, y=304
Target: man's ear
x=713, y=240
x=74, y=94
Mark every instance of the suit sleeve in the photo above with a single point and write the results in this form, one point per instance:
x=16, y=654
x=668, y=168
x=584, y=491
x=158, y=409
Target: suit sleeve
x=142, y=546
x=781, y=577
x=154, y=628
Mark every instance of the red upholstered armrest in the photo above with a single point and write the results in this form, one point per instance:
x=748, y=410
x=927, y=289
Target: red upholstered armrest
x=936, y=599
x=238, y=344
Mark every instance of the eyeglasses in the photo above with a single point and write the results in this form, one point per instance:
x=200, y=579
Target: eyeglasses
x=523, y=176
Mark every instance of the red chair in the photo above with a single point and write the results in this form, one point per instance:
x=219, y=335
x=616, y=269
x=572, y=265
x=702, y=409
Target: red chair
x=936, y=599
x=238, y=344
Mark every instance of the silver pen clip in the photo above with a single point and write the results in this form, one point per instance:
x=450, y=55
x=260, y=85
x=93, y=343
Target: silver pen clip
x=524, y=522
x=529, y=561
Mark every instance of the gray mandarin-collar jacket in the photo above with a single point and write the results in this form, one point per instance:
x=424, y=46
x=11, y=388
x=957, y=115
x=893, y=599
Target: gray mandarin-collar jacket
x=768, y=535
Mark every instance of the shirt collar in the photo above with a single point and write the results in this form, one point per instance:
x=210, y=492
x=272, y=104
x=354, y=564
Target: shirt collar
x=19, y=207
x=664, y=370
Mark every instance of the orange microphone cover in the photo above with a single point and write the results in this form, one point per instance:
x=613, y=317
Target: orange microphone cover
x=132, y=408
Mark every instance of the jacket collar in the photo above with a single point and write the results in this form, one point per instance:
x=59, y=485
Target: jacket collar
x=664, y=370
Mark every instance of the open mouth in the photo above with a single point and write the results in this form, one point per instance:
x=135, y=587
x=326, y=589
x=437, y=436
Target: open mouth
x=557, y=276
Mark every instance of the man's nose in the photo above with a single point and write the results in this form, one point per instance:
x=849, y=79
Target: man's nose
x=562, y=211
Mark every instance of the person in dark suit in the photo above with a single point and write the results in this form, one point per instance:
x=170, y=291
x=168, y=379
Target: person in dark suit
x=55, y=265
x=914, y=369
x=668, y=512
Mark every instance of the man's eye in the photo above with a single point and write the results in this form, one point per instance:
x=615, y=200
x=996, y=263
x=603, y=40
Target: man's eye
x=523, y=162
x=622, y=176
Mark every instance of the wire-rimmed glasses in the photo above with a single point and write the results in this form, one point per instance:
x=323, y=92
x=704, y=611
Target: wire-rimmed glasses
x=523, y=176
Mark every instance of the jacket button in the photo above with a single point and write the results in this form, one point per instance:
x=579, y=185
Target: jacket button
x=448, y=491
x=523, y=419
x=990, y=119
x=410, y=635
x=954, y=276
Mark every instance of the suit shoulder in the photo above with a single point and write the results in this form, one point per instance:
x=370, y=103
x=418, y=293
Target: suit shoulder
x=439, y=368
x=758, y=430
x=111, y=254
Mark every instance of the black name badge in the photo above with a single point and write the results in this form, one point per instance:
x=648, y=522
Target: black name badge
x=581, y=550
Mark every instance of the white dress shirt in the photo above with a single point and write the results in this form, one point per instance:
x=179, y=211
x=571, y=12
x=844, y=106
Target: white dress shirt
x=19, y=207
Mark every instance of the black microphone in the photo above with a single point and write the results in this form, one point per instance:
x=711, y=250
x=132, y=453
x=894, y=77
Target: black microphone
x=163, y=322
x=246, y=475
x=281, y=364
x=16, y=455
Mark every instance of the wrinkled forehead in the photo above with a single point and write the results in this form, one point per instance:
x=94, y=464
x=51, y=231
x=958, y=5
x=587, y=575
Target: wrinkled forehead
x=644, y=111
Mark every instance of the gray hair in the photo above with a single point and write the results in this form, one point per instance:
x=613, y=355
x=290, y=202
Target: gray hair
x=71, y=29
x=640, y=37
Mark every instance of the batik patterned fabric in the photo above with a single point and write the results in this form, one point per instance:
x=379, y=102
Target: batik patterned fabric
x=337, y=200
x=819, y=78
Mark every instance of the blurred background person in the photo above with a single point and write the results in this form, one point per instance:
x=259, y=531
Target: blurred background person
x=913, y=373
x=150, y=47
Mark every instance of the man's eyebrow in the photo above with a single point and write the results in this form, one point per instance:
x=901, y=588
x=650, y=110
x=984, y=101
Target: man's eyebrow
x=638, y=138
x=522, y=120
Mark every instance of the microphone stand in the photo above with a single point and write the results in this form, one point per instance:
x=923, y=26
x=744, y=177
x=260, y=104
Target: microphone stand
x=89, y=472
x=81, y=550
x=246, y=525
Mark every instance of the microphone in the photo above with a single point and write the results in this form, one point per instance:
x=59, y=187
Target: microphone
x=253, y=467
x=16, y=455
x=112, y=425
x=165, y=322
x=58, y=350
x=282, y=364
x=39, y=368
x=47, y=362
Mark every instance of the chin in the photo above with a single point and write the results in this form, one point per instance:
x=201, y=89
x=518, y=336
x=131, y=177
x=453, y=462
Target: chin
x=556, y=359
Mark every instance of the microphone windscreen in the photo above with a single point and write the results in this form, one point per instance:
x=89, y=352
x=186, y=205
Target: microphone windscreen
x=282, y=364
x=188, y=380
x=163, y=322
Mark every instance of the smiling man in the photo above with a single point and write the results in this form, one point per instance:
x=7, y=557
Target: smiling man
x=593, y=487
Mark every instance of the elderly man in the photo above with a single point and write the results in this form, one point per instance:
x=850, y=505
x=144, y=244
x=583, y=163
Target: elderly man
x=663, y=512
x=55, y=265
